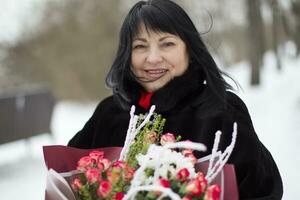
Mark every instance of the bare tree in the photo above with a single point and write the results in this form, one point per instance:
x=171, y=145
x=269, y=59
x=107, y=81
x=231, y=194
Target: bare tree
x=276, y=29
x=72, y=49
x=296, y=12
x=256, y=39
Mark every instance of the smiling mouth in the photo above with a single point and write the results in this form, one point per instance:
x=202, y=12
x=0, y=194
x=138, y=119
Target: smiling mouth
x=155, y=73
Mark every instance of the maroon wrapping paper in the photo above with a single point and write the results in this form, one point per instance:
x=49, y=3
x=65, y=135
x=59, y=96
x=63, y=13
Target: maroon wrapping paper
x=64, y=159
x=229, y=177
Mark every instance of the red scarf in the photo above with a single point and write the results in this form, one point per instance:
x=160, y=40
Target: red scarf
x=145, y=99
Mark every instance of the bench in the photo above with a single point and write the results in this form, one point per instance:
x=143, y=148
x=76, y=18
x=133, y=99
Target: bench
x=25, y=114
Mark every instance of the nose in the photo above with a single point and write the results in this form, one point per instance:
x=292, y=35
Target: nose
x=154, y=56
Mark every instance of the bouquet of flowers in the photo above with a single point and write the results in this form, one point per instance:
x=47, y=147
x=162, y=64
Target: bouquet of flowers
x=170, y=174
x=151, y=166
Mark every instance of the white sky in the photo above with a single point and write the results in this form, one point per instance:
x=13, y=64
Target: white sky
x=14, y=14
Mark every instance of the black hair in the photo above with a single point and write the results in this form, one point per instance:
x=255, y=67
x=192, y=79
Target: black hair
x=162, y=16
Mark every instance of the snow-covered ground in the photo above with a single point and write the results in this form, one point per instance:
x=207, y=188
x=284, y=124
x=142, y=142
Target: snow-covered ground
x=274, y=107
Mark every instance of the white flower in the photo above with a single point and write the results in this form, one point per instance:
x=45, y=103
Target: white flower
x=164, y=162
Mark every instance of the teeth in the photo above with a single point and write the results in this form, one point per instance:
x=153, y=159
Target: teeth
x=156, y=71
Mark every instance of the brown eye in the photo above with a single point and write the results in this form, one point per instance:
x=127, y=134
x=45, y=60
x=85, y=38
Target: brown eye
x=168, y=44
x=139, y=46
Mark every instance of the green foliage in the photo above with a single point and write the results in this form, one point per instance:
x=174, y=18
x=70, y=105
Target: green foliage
x=149, y=134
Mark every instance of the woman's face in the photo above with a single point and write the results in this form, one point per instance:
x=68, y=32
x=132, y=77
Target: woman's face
x=157, y=58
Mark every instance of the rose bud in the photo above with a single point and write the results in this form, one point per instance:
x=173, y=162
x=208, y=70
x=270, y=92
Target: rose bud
x=76, y=184
x=151, y=137
x=194, y=187
x=96, y=155
x=92, y=175
x=84, y=163
x=201, y=177
x=164, y=182
x=213, y=192
x=119, y=196
x=183, y=174
x=104, y=189
x=167, y=138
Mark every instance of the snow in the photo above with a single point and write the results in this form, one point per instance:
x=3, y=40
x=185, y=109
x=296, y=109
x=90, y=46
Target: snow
x=274, y=107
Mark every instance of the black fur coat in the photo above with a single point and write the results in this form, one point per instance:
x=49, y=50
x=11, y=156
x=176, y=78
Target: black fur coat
x=190, y=114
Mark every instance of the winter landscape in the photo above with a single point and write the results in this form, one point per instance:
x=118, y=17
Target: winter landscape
x=274, y=107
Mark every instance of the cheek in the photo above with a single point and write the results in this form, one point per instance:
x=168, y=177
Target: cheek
x=180, y=64
x=136, y=62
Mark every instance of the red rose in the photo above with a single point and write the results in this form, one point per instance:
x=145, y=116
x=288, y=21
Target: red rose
x=76, y=184
x=96, y=155
x=92, y=175
x=201, y=177
x=194, y=187
x=104, y=189
x=84, y=163
x=183, y=174
x=119, y=196
x=212, y=193
x=167, y=138
x=164, y=182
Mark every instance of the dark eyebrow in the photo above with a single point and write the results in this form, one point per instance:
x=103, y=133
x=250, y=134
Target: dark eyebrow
x=165, y=37
x=141, y=39
x=160, y=39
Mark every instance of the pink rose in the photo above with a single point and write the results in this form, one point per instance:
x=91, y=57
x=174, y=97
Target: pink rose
x=183, y=174
x=84, y=163
x=104, y=189
x=92, y=175
x=76, y=184
x=96, y=155
x=212, y=193
x=167, y=138
x=119, y=164
x=119, y=196
x=194, y=187
x=105, y=162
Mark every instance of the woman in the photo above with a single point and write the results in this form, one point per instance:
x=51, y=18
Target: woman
x=162, y=61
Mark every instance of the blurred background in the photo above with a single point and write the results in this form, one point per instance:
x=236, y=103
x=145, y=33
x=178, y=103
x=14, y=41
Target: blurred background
x=54, y=56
